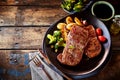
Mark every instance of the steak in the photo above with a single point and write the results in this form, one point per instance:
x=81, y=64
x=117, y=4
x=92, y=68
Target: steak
x=75, y=45
x=93, y=47
x=91, y=31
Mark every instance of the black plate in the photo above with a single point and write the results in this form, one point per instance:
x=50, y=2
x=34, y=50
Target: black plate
x=86, y=67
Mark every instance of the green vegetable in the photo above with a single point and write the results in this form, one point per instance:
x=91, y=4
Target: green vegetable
x=56, y=40
x=74, y=5
x=51, y=38
x=77, y=7
x=67, y=5
x=60, y=43
x=57, y=33
x=71, y=47
x=56, y=46
x=72, y=1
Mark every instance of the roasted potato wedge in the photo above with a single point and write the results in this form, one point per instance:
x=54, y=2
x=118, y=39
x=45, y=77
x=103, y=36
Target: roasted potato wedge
x=78, y=22
x=69, y=26
x=61, y=25
x=64, y=32
x=69, y=20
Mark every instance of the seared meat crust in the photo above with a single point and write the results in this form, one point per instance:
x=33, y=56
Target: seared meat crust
x=93, y=47
x=75, y=44
x=80, y=40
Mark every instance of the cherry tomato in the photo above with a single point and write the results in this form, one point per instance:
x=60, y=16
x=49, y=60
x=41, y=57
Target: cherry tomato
x=102, y=38
x=99, y=31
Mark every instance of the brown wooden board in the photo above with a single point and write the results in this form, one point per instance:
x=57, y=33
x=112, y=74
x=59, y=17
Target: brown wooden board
x=31, y=38
x=7, y=57
x=21, y=37
x=14, y=65
x=29, y=15
x=23, y=24
x=30, y=2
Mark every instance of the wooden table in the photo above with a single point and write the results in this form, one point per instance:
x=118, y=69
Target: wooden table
x=23, y=24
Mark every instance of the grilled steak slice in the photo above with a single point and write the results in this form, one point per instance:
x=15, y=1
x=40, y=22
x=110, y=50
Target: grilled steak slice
x=93, y=47
x=91, y=30
x=75, y=44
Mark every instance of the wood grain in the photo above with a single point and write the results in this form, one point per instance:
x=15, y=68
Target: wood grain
x=21, y=37
x=8, y=65
x=35, y=15
x=30, y=2
x=29, y=15
x=23, y=24
x=110, y=72
x=7, y=15
x=31, y=38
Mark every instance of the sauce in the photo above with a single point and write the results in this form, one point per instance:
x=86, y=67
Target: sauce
x=102, y=11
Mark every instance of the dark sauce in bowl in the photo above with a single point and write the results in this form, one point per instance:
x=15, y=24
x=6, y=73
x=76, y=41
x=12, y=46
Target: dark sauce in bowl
x=102, y=11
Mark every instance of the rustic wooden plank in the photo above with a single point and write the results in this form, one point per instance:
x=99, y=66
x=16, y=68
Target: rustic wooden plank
x=21, y=37
x=111, y=70
x=116, y=42
x=35, y=15
x=14, y=65
x=7, y=15
x=5, y=57
x=41, y=2
x=30, y=2
x=43, y=14
x=31, y=38
x=29, y=15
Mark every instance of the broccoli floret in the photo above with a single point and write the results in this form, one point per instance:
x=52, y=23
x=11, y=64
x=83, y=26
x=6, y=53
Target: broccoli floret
x=60, y=43
x=56, y=40
x=77, y=7
x=56, y=33
x=67, y=5
x=56, y=47
x=71, y=1
x=52, y=39
x=61, y=39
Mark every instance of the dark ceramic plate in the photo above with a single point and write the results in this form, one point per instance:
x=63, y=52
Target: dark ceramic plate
x=87, y=67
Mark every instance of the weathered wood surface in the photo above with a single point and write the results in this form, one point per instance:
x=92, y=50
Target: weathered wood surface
x=21, y=37
x=110, y=72
x=14, y=65
x=23, y=24
x=29, y=15
x=40, y=2
x=30, y=2
x=31, y=38
x=34, y=12
x=42, y=15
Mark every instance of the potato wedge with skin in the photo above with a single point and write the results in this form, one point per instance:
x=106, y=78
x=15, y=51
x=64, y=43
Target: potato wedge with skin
x=61, y=25
x=77, y=21
x=69, y=20
x=64, y=32
x=69, y=26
